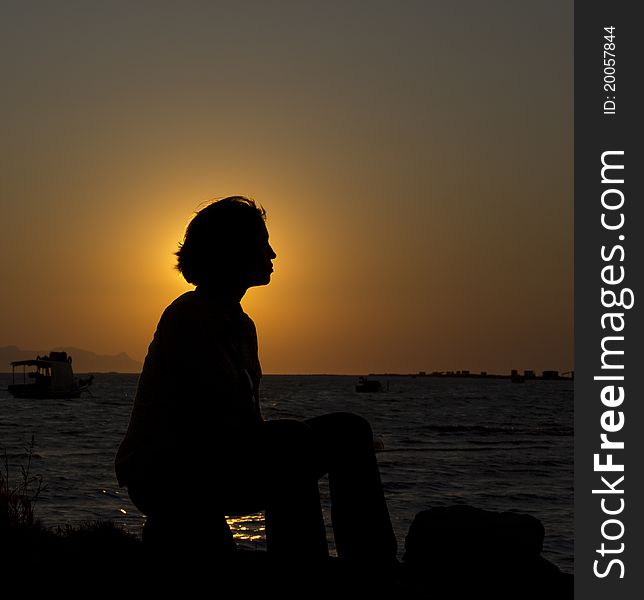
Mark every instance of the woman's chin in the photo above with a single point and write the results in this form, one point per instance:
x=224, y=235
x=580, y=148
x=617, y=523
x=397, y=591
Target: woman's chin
x=263, y=279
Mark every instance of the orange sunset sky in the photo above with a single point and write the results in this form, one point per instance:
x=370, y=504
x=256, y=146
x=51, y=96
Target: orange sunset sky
x=414, y=159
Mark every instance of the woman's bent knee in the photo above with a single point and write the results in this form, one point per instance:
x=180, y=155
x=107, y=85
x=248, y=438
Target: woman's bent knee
x=352, y=425
x=340, y=432
x=289, y=442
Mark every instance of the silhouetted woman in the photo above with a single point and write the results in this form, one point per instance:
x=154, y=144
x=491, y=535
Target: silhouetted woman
x=197, y=447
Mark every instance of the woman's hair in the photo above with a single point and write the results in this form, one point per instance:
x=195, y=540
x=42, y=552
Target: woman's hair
x=217, y=236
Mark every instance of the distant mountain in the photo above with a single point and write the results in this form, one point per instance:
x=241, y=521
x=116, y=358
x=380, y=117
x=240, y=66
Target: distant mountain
x=83, y=360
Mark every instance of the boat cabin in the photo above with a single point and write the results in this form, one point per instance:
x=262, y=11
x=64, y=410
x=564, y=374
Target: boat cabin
x=51, y=377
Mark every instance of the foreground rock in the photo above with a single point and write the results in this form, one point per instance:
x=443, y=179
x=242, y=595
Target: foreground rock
x=463, y=552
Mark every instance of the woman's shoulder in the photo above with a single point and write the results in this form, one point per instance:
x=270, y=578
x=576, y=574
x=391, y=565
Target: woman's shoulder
x=192, y=307
x=186, y=300
x=184, y=310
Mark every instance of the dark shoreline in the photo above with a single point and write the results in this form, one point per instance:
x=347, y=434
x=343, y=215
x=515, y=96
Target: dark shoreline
x=459, y=552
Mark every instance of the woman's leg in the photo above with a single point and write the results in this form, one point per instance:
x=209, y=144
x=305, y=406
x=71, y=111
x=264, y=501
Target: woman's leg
x=294, y=520
x=361, y=522
x=279, y=470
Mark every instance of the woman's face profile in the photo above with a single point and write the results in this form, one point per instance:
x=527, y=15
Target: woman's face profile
x=259, y=264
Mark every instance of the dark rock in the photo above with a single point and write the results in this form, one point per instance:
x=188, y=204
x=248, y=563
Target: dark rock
x=465, y=531
x=460, y=551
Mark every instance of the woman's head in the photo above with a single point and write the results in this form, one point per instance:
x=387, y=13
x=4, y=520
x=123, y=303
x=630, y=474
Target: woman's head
x=226, y=243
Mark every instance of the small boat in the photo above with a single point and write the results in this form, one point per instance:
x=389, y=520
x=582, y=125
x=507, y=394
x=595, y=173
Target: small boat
x=516, y=378
x=52, y=378
x=368, y=385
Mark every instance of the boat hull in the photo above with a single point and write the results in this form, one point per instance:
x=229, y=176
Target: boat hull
x=369, y=386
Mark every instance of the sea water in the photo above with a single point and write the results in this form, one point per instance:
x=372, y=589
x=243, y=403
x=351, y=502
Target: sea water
x=488, y=443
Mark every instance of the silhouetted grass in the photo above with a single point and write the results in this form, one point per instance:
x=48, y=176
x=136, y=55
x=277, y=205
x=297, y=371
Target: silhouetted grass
x=27, y=545
x=17, y=501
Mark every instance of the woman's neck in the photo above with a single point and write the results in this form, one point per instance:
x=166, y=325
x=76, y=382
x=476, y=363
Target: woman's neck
x=222, y=294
